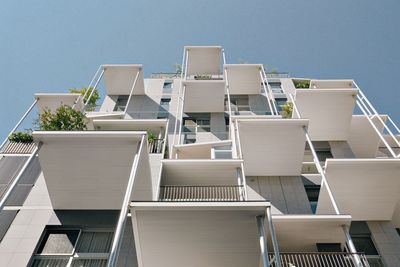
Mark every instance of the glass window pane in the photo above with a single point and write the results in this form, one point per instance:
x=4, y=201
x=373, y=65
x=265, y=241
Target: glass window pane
x=58, y=242
x=49, y=263
x=95, y=242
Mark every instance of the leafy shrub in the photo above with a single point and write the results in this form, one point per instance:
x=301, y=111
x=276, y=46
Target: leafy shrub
x=287, y=110
x=93, y=100
x=301, y=84
x=64, y=119
x=21, y=137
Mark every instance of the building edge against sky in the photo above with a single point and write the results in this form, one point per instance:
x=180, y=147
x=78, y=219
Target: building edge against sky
x=216, y=165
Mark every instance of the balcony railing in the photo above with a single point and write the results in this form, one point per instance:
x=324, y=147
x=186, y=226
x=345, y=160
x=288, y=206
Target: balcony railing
x=18, y=148
x=318, y=259
x=201, y=193
x=155, y=146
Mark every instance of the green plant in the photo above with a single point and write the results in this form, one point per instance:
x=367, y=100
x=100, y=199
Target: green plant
x=21, y=137
x=287, y=110
x=64, y=119
x=151, y=137
x=93, y=100
x=301, y=84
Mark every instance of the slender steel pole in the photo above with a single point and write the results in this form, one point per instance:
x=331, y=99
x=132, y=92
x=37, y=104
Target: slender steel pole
x=352, y=248
x=273, y=238
x=263, y=81
x=262, y=240
x=131, y=92
x=316, y=160
x=93, y=90
x=117, y=239
x=269, y=91
x=14, y=183
x=18, y=123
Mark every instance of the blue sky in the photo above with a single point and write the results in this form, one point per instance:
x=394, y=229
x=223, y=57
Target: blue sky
x=50, y=46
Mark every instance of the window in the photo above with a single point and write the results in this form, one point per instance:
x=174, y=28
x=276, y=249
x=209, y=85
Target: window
x=122, y=101
x=312, y=192
x=240, y=104
x=167, y=87
x=194, y=125
x=276, y=87
x=280, y=102
x=61, y=246
x=163, y=111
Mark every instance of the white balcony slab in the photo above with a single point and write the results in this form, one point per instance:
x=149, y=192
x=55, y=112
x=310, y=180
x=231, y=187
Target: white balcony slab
x=329, y=111
x=203, y=60
x=52, y=101
x=301, y=232
x=272, y=147
x=119, y=79
x=197, y=234
x=200, y=172
x=150, y=125
x=198, y=150
x=331, y=84
x=204, y=96
x=367, y=189
x=90, y=170
x=244, y=78
x=363, y=139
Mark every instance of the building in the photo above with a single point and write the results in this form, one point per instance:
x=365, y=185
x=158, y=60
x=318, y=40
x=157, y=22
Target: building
x=219, y=165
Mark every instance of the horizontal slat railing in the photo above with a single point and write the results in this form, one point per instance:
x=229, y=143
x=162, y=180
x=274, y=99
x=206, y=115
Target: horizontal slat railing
x=18, y=148
x=200, y=193
x=318, y=259
x=155, y=146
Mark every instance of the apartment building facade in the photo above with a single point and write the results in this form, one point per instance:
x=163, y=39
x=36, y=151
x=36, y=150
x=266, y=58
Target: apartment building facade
x=216, y=165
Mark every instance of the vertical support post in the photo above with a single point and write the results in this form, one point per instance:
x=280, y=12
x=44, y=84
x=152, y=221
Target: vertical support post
x=117, y=239
x=93, y=90
x=263, y=81
x=262, y=240
x=14, y=183
x=269, y=91
x=228, y=100
x=273, y=238
x=352, y=248
x=131, y=92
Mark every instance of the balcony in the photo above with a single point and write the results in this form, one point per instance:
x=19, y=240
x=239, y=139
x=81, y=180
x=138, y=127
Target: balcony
x=318, y=259
x=201, y=193
x=328, y=120
x=202, y=61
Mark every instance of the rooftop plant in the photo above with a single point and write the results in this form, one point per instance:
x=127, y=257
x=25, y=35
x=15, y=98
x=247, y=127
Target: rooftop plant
x=64, y=119
x=21, y=137
x=301, y=84
x=93, y=100
x=287, y=110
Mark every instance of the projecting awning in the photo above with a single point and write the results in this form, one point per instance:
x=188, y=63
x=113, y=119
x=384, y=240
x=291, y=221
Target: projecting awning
x=197, y=234
x=119, y=79
x=302, y=232
x=198, y=150
x=329, y=111
x=363, y=139
x=272, y=146
x=152, y=126
x=200, y=172
x=204, y=96
x=244, y=78
x=90, y=170
x=368, y=189
x=52, y=101
x=203, y=60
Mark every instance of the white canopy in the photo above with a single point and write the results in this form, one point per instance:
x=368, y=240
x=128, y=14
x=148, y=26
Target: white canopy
x=52, y=101
x=204, y=96
x=197, y=234
x=203, y=60
x=119, y=79
x=90, y=170
x=244, y=78
x=368, y=189
x=272, y=146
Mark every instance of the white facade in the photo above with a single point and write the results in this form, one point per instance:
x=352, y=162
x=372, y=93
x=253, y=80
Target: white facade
x=205, y=168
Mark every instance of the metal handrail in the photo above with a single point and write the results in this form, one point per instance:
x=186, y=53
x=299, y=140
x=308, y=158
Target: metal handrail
x=265, y=80
x=18, y=123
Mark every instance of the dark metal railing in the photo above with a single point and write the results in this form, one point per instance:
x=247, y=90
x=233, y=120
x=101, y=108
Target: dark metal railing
x=155, y=146
x=319, y=259
x=201, y=193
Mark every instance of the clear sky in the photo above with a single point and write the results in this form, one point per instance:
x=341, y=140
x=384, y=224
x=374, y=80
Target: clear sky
x=50, y=46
